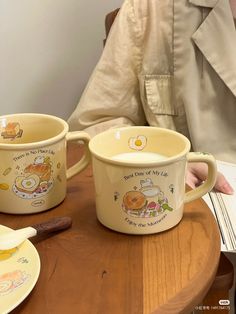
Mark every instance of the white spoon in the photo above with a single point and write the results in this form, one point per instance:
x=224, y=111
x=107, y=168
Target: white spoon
x=13, y=238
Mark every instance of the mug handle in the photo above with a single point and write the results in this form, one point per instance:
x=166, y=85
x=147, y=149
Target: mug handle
x=84, y=161
x=211, y=178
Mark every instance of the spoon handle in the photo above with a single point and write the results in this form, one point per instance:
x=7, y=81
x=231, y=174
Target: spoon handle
x=54, y=224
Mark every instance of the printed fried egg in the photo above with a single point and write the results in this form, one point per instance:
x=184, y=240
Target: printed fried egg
x=138, y=143
x=28, y=184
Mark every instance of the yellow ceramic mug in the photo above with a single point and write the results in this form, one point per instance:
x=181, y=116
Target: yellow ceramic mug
x=139, y=175
x=33, y=170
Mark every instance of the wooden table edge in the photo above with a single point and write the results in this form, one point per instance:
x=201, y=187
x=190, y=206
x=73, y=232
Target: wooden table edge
x=181, y=303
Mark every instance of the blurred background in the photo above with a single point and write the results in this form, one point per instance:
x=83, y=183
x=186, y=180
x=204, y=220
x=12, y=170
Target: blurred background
x=48, y=50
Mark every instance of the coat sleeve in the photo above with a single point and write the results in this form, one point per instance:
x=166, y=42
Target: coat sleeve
x=112, y=96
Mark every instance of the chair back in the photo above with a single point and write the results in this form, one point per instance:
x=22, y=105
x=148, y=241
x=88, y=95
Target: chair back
x=109, y=19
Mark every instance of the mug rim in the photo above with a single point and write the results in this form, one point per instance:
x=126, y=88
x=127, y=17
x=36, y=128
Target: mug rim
x=32, y=145
x=137, y=164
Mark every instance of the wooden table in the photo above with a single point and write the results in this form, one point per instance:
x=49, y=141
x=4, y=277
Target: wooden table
x=91, y=269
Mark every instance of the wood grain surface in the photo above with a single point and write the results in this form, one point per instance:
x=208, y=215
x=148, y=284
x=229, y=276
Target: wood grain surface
x=91, y=269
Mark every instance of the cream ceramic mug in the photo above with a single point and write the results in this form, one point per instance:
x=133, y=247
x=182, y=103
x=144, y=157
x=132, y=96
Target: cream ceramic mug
x=139, y=175
x=33, y=171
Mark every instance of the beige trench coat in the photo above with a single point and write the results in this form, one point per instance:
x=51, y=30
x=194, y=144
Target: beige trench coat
x=167, y=63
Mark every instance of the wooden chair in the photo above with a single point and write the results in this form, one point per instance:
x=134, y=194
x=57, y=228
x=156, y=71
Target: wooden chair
x=109, y=19
x=225, y=274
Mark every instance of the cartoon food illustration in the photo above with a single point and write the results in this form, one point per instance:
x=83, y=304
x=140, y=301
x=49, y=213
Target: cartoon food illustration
x=37, y=179
x=7, y=171
x=27, y=184
x=134, y=201
x=148, y=188
x=12, y=130
x=137, y=143
x=5, y=254
x=41, y=167
x=4, y=186
x=12, y=280
x=154, y=206
x=149, y=201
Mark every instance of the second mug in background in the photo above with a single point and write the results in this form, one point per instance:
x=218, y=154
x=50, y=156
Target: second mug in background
x=33, y=172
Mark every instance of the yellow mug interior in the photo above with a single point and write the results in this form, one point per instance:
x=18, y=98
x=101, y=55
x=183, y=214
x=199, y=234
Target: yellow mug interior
x=141, y=139
x=21, y=129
